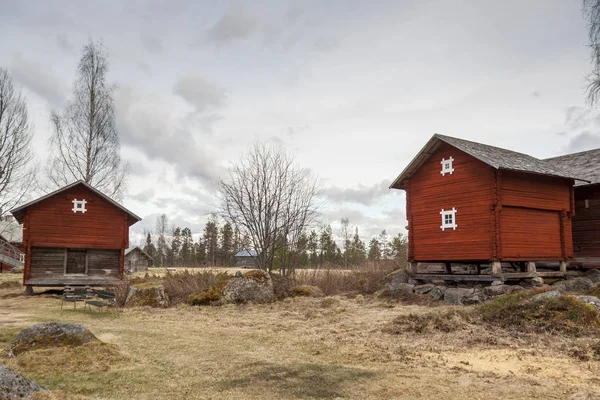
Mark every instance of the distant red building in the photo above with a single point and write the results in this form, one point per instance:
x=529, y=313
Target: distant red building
x=472, y=203
x=74, y=236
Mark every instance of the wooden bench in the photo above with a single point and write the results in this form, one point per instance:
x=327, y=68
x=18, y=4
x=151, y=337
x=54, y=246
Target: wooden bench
x=103, y=298
x=74, y=295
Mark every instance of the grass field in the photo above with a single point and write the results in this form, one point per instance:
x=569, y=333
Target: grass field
x=328, y=348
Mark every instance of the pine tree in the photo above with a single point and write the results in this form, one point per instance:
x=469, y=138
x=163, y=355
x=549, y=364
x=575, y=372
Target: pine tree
x=227, y=249
x=149, y=247
x=384, y=245
x=211, y=242
x=357, y=249
x=187, y=247
x=374, y=250
x=174, y=254
x=199, y=253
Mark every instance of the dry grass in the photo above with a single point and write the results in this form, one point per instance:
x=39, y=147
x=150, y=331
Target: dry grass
x=333, y=347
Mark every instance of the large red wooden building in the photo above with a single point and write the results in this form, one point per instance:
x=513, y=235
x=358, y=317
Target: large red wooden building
x=586, y=222
x=467, y=202
x=74, y=236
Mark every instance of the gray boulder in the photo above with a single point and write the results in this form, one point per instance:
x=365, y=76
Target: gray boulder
x=496, y=290
x=15, y=386
x=422, y=289
x=477, y=297
x=574, y=285
x=393, y=279
x=593, y=300
x=437, y=293
x=147, y=294
x=593, y=275
x=455, y=296
x=17, y=270
x=254, y=286
x=49, y=334
x=551, y=295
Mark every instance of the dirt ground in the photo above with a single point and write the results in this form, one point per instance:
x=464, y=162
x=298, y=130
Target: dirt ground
x=331, y=348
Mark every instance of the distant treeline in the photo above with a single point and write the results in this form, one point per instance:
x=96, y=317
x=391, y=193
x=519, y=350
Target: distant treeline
x=218, y=244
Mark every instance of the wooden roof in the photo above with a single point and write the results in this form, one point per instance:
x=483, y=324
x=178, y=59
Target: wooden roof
x=585, y=164
x=19, y=212
x=495, y=157
x=138, y=248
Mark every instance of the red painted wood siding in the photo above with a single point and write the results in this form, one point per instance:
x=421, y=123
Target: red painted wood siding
x=52, y=223
x=586, y=223
x=470, y=190
x=529, y=234
x=535, y=191
x=535, y=220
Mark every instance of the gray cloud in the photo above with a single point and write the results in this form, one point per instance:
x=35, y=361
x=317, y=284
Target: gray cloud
x=327, y=44
x=146, y=124
x=152, y=43
x=38, y=80
x=366, y=195
x=63, y=43
x=143, y=196
x=584, y=141
x=201, y=94
x=581, y=128
x=234, y=25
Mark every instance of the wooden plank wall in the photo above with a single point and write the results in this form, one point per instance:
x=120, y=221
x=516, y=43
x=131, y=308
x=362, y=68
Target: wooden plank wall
x=49, y=262
x=103, y=262
x=469, y=189
x=535, y=217
x=52, y=223
x=586, y=223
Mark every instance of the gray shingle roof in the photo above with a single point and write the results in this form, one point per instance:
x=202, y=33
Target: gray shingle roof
x=585, y=165
x=493, y=156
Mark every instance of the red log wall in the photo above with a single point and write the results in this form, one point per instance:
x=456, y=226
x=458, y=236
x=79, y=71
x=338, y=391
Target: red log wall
x=469, y=189
x=586, y=223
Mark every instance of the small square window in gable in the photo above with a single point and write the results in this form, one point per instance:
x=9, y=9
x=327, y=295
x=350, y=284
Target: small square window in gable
x=448, y=219
x=447, y=166
x=79, y=206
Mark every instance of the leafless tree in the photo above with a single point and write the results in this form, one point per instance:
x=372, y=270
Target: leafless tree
x=345, y=232
x=17, y=172
x=85, y=142
x=271, y=201
x=591, y=11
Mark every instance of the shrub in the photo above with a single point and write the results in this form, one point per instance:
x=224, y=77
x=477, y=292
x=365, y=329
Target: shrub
x=180, y=285
x=212, y=294
x=282, y=286
x=517, y=312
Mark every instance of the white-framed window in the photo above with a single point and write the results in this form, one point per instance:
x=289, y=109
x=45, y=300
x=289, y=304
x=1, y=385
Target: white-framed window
x=22, y=257
x=448, y=219
x=447, y=167
x=79, y=206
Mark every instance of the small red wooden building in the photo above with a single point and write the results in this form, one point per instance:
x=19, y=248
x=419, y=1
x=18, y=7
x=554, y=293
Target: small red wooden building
x=74, y=236
x=586, y=222
x=467, y=202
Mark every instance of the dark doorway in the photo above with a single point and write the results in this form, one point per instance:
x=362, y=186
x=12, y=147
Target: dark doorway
x=76, y=262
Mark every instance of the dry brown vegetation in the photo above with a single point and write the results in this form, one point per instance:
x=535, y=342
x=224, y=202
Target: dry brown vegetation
x=303, y=347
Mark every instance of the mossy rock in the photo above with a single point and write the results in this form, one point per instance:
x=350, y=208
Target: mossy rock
x=306, y=291
x=211, y=295
x=254, y=286
x=147, y=294
x=49, y=335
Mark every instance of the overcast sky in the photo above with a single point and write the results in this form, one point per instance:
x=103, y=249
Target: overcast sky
x=353, y=88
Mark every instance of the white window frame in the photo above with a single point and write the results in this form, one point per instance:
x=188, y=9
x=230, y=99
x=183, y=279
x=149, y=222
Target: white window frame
x=79, y=206
x=447, y=166
x=445, y=225
x=22, y=257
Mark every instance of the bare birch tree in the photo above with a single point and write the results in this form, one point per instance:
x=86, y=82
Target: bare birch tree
x=271, y=201
x=85, y=142
x=16, y=170
x=591, y=11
